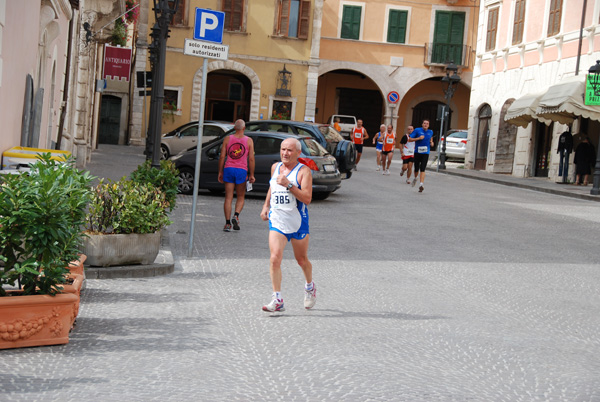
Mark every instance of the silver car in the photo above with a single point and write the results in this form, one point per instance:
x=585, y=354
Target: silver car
x=186, y=136
x=456, y=144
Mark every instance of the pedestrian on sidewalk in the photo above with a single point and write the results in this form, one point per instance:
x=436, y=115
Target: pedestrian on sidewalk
x=378, y=142
x=387, y=153
x=235, y=171
x=584, y=159
x=407, y=150
x=285, y=207
x=423, y=139
x=359, y=135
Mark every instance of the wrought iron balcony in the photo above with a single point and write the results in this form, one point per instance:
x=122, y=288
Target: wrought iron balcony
x=444, y=53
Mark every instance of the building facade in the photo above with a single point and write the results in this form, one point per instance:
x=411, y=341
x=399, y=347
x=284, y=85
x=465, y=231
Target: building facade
x=369, y=49
x=525, y=48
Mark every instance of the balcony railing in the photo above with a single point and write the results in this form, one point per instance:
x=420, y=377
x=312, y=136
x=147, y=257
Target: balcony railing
x=443, y=53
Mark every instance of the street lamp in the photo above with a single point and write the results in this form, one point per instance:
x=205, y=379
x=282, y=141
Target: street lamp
x=594, y=77
x=449, y=85
x=163, y=12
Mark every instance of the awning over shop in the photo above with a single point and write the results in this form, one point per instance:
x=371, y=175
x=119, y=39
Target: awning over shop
x=522, y=110
x=564, y=102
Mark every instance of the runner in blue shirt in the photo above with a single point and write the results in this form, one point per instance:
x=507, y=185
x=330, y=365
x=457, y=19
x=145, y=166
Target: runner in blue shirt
x=423, y=139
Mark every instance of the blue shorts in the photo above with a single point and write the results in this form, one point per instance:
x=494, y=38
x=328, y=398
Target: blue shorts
x=299, y=235
x=379, y=146
x=235, y=175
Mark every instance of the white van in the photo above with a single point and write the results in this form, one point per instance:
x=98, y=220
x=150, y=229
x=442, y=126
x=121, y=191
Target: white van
x=347, y=123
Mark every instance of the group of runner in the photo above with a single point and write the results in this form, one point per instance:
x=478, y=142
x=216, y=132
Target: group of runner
x=290, y=191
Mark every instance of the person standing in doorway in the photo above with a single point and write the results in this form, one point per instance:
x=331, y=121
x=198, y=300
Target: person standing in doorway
x=359, y=135
x=584, y=159
x=378, y=142
x=285, y=207
x=235, y=171
x=389, y=142
x=423, y=139
x=407, y=150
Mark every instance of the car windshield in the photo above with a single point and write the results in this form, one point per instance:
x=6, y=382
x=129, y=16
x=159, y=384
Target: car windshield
x=312, y=148
x=458, y=134
x=346, y=120
x=330, y=134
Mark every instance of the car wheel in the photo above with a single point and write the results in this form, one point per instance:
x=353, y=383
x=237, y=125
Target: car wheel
x=186, y=181
x=345, y=153
x=320, y=196
x=164, y=153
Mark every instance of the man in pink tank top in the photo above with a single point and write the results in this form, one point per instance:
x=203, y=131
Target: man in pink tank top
x=235, y=171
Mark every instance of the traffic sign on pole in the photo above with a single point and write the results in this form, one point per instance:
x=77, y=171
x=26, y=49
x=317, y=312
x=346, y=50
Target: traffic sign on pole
x=393, y=97
x=205, y=49
x=209, y=25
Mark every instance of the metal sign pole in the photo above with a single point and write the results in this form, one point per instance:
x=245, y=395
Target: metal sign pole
x=198, y=155
x=440, y=141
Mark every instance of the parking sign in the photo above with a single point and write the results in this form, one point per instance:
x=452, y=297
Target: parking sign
x=209, y=25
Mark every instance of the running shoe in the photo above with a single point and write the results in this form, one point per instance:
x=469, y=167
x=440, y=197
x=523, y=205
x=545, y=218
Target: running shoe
x=227, y=227
x=402, y=173
x=414, y=182
x=275, y=305
x=310, y=297
x=407, y=181
x=236, y=223
x=421, y=188
x=383, y=173
x=378, y=168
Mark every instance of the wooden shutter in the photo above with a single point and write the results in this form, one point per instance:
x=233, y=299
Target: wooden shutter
x=519, y=23
x=283, y=20
x=179, y=17
x=234, y=14
x=492, y=28
x=304, y=19
x=448, y=37
x=397, y=26
x=351, y=22
x=554, y=17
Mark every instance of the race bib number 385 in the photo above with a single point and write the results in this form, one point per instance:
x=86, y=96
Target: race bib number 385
x=282, y=200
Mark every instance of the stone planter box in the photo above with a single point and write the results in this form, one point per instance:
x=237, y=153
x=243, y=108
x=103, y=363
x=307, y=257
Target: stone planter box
x=106, y=250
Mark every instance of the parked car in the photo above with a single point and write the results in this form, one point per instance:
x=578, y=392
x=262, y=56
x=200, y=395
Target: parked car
x=186, y=136
x=343, y=150
x=347, y=124
x=456, y=144
x=326, y=175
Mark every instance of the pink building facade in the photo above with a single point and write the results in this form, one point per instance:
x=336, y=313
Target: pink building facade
x=524, y=48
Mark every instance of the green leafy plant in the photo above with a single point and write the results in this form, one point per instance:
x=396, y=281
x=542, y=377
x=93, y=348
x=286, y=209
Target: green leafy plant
x=127, y=207
x=165, y=178
x=42, y=212
x=119, y=34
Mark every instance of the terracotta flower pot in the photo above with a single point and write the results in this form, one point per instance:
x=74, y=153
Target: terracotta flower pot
x=35, y=320
x=74, y=288
x=76, y=267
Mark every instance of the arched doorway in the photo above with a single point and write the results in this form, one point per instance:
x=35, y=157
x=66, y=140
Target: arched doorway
x=349, y=92
x=227, y=96
x=506, y=143
x=483, y=137
x=110, y=119
x=543, y=143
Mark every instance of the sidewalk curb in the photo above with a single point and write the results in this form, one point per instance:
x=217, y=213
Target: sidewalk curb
x=494, y=180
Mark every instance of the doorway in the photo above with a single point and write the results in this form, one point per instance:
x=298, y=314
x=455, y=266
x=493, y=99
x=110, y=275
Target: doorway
x=483, y=137
x=428, y=110
x=227, y=96
x=110, y=120
x=543, y=143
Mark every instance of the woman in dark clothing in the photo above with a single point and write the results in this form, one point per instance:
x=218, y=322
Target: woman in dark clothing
x=584, y=159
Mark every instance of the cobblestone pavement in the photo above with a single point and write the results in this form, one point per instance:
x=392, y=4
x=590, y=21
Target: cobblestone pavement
x=468, y=291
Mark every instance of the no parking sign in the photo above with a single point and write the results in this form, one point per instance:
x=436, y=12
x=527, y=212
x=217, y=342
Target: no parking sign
x=393, y=97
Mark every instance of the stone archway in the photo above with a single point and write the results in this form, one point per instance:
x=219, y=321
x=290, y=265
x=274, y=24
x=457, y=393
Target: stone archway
x=226, y=65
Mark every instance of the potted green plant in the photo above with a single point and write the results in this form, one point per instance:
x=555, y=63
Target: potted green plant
x=42, y=212
x=125, y=217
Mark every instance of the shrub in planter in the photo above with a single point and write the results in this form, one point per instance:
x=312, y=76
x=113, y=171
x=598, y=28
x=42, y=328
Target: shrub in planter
x=166, y=179
x=42, y=212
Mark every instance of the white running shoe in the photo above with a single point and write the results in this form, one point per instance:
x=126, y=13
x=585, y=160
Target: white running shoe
x=310, y=297
x=421, y=188
x=402, y=173
x=275, y=305
x=378, y=168
x=414, y=182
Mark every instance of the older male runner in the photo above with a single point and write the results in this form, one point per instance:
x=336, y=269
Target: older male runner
x=286, y=210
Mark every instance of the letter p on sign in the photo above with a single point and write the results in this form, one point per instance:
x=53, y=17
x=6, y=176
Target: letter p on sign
x=209, y=25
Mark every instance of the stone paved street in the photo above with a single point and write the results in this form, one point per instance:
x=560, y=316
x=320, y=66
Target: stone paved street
x=469, y=291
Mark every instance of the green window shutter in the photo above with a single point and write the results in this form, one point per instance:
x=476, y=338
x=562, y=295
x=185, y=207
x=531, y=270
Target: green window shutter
x=448, y=37
x=397, y=26
x=351, y=22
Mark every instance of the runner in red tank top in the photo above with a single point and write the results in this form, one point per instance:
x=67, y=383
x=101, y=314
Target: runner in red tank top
x=359, y=135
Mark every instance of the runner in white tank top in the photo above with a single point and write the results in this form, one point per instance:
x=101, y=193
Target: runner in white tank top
x=285, y=207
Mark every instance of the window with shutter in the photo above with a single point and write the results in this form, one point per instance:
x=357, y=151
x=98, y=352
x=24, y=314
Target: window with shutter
x=554, y=17
x=519, y=23
x=351, y=22
x=492, y=28
x=234, y=15
x=448, y=37
x=397, y=26
x=178, y=18
x=293, y=18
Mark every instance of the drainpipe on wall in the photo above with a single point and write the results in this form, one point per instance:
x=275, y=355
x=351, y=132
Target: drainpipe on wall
x=580, y=36
x=63, y=109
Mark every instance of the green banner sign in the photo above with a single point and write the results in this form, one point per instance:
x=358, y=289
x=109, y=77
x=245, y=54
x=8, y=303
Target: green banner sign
x=592, y=98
